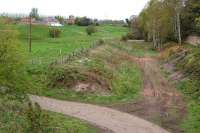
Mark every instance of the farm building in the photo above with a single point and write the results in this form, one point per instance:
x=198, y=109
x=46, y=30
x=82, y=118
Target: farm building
x=71, y=20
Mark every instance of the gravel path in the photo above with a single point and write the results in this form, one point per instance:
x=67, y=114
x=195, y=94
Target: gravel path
x=118, y=122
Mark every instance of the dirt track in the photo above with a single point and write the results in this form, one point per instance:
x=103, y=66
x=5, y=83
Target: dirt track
x=161, y=103
x=116, y=121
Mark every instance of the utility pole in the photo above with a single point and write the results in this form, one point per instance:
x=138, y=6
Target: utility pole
x=30, y=35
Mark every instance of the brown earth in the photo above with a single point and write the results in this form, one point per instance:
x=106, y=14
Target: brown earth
x=105, y=118
x=161, y=103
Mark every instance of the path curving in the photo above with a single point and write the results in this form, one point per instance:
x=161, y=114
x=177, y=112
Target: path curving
x=118, y=122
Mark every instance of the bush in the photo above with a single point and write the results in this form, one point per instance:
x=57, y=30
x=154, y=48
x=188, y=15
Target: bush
x=11, y=60
x=84, y=21
x=124, y=38
x=54, y=32
x=101, y=41
x=38, y=120
x=130, y=36
x=91, y=29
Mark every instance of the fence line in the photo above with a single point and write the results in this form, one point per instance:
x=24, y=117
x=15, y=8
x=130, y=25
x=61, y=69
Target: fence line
x=64, y=59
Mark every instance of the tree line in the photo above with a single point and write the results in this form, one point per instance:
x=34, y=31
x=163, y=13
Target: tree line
x=167, y=20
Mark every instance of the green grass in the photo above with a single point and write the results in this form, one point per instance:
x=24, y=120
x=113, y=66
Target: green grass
x=192, y=121
x=14, y=118
x=137, y=49
x=46, y=49
x=72, y=38
x=124, y=78
x=16, y=122
x=190, y=86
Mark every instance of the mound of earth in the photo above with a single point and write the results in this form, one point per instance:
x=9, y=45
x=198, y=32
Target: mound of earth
x=79, y=80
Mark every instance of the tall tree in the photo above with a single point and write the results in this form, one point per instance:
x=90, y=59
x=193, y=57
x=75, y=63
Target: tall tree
x=60, y=19
x=190, y=16
x=34, y=13
x=175, y=7
x=155, y=23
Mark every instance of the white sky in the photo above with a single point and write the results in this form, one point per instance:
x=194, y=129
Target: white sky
x=101, y=9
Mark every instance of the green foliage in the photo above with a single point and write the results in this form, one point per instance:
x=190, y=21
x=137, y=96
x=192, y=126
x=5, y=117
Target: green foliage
x=39, y=122
x=18, y=118
x=190, y=13
x=102, y=68
x=84, y=21
x=66, y=76
x=129, y=36
x=197, y=20
x=191, y=64
x=123, y=84
x=60, y=19
x=191, y=89
x=73, y=37
x=101, y=41
x=34, y=13
x=54, y=32
x=11, y=64
x=124, y=38
x=91, y=29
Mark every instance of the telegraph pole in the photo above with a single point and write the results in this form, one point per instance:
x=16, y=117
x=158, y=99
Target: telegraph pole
x=30, y=35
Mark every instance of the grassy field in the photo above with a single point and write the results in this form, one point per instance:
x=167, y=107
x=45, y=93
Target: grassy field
x=114, y=74
x=72, y=38
x=12, y=116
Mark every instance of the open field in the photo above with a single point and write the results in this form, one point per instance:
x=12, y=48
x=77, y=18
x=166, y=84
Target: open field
x=46, y=49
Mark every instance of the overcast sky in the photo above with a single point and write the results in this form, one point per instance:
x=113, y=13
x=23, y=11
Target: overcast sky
x=101, y=9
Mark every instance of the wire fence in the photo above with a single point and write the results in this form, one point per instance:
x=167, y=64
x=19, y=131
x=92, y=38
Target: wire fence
x=64, y=59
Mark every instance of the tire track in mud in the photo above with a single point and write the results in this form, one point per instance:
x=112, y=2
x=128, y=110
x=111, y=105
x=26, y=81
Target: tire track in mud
x=161, y=102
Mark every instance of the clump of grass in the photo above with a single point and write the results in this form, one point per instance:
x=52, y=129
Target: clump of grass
x=123, y=80
x=191, y=90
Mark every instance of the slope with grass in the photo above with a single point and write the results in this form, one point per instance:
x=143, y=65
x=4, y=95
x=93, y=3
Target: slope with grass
x=13, y=104
x=107, y=75
x=182, y=67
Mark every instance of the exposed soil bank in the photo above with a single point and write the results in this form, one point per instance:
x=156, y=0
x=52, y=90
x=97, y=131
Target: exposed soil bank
x=161, y=103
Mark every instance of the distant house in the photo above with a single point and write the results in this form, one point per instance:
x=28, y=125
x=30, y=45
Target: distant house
x=51, y=21
x=26, y=20
x=71, y=20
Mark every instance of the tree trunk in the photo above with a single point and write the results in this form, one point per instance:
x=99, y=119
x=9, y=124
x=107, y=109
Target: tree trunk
x=179, y=27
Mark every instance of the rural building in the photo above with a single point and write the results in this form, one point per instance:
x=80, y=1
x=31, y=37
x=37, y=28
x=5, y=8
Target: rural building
x=71, y=20
x=26, y=20
x=51, y=21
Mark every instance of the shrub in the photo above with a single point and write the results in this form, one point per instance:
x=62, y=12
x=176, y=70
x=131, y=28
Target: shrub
x=124, y=38
x=38, y=120
x=91, y=29
x=130, y=36
x=54, y=32
x=11, y=60
x=84, y=21
x=101, y=41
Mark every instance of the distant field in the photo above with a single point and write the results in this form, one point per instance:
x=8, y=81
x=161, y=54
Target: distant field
x=73, y=37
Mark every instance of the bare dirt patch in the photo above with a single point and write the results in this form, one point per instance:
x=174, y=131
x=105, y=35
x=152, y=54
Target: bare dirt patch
x=161, y=103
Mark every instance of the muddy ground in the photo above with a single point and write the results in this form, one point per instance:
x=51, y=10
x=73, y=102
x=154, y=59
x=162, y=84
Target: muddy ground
x=161, y=102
